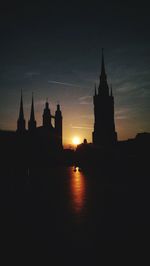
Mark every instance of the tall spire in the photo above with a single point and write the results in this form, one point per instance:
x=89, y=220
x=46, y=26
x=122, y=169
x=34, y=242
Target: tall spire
x=21, y=120
x=103, y=73
x=103, y=86
x=32, y=117
x=32, y=122
x=21, y=113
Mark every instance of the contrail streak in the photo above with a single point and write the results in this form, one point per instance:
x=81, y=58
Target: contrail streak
x=64, y=83
x=78, y=127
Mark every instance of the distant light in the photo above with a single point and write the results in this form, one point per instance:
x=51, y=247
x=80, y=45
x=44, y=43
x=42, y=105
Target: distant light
x=76, y=140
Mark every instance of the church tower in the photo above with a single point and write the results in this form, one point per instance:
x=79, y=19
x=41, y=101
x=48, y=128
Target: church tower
x=32, y=121
x=58, y=125
x=47, y=116
x=104, y=125
x=21, y=121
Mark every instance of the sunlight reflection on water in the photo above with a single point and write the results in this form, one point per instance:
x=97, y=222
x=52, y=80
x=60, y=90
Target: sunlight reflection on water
x=77, y=189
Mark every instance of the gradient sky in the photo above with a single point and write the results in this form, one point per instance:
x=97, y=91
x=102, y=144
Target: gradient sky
x=54, y=49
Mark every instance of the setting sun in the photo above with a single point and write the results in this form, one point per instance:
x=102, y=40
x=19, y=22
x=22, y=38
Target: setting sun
x=76, y=140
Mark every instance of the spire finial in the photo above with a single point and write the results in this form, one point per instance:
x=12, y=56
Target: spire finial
x=32, y=98
x=21, y=102
x=103, y=86
x=103, y=64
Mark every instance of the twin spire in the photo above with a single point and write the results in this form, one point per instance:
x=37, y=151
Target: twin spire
x=32, y=122
x=103, y=88
x=21, y=120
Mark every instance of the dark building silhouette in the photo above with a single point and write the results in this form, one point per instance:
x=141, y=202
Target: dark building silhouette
x=50, y=133
x=48, y=136
x=21, y=128
x=104, y=125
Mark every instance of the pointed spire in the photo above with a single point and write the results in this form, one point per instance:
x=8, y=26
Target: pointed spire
x=32, y=116
x=32, y=121
x=103, y=73
x=21, y=113
x=103, y=86
x=21, y=120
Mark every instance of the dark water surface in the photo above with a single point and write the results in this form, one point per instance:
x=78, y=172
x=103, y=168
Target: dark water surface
x=63, y=214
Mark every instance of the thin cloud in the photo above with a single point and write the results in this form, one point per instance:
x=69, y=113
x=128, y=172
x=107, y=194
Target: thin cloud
x=82, y=127
x=64, y=83
x=85, y=99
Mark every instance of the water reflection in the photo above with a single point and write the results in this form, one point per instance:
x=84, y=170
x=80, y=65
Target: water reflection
x=78, y=190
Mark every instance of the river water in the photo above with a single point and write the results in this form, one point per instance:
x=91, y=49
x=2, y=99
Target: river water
x=63, y=213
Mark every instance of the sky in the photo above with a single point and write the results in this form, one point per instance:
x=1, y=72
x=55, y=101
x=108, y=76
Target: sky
x=53, y=48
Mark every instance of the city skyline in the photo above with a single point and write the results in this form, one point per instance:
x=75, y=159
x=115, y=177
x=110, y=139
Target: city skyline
x=75, y=129
x=57, y=55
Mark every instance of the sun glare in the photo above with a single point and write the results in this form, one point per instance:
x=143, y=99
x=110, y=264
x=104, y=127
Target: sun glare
x=76, y=140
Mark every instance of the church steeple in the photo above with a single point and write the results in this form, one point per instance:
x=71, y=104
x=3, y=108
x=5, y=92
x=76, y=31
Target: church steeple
x=32, y=121
x=103, y=73
x=104, y=133
x=21, y=120
x=103, y=86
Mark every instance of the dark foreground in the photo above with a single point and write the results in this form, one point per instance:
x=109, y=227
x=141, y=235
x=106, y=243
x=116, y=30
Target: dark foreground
x=74, y=217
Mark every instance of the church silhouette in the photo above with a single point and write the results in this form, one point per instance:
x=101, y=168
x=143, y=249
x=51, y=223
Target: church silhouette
x=49, y=134
x=104, y=126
